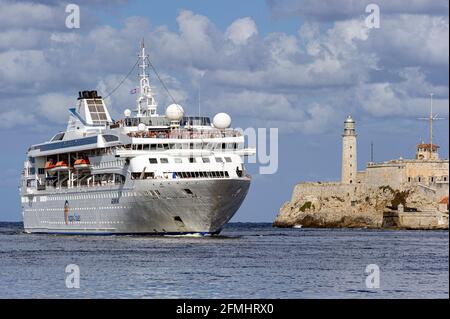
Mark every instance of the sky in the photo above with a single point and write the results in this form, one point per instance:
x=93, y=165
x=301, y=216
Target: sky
x=299, y=66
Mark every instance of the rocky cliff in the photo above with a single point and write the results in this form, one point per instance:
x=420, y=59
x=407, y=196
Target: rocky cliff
x=360, y=205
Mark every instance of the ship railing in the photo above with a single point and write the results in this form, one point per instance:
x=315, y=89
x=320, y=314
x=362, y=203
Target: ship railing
x=186, y=134
x=84, y=186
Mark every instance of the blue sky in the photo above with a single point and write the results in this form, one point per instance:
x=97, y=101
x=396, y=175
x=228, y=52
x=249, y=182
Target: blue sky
x=301, y=66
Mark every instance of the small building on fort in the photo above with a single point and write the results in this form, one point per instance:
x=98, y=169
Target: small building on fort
x=403, y=193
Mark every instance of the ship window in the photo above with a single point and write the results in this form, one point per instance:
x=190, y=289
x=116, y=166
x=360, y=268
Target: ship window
x=178, y=160
x=153, y=160
x=226, y=174
x=110, y=138
x=228, y=159
x=191, y=160
x=205, y=159
x=146, y=147
x=164, y=160
x=135, y=175
x=58, y=137
x=219, y=160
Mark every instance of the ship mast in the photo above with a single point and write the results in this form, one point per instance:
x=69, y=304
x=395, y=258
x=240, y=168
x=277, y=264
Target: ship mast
x=146, y=104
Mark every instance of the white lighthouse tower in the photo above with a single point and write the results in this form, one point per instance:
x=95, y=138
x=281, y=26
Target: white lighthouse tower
x=349, y=163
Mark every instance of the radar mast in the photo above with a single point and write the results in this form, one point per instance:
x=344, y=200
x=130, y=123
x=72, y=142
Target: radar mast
x=146, y=104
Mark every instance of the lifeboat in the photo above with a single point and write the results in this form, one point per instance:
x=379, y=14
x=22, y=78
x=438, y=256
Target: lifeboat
x=60, y=166
x=81, y=163
x=49, y=165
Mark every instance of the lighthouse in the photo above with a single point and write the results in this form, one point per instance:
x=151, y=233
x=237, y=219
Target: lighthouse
x=349, y=163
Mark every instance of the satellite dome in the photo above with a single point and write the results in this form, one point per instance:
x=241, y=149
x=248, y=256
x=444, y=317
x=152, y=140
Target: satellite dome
x=174, y=112
x=222, y=120
x=141, y=127
x=127, y=113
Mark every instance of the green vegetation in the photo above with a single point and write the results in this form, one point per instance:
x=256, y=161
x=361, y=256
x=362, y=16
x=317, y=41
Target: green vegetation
x=305, y=206
x=400, y=197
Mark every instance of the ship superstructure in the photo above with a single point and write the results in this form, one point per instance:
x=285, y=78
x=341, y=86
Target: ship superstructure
x=143, y=174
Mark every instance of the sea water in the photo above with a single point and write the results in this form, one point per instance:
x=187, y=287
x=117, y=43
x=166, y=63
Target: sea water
x=246, y=261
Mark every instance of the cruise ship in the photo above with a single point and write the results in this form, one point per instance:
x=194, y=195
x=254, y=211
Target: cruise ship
x=143, y=174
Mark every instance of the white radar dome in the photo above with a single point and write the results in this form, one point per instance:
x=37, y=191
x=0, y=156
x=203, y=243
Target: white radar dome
x=127, y=113
x=222, y=120
x=141, y=127
x=174, y=112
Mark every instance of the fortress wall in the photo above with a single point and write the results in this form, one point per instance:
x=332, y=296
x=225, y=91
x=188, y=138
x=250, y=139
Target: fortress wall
x=361, y=177
x=345, y=205
x=361, y=198
x=393, y=175
x=438, y=170
x=320, y=189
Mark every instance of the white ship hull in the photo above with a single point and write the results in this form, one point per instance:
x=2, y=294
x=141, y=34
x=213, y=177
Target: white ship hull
x=140, y=207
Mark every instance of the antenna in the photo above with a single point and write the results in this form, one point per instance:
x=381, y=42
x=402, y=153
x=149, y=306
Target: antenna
x=145, y=98
x=431, y=118
x=371, y=152
x=199, y=104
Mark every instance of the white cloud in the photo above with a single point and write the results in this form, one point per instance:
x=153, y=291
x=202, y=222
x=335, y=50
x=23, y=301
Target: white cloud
x=241, y=30
x=298, y=82
x=14, y=118
x=332, y=10
x=20, y=70
x=407, y=98
x=417, y=39
x=29, y=15
x=54, y=106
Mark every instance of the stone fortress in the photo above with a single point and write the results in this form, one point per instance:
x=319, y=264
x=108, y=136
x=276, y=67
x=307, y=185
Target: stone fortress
x=401, y=193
